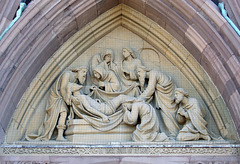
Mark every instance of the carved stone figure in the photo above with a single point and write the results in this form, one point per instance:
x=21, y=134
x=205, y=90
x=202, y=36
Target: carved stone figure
x=104, y=60
x=59, y=99
x=191, y=115
x=161, y=88
x=128, y=66
x=95, y=61
x=103, y=116
x=148, y=128
x=107, y=61
x=107, y=80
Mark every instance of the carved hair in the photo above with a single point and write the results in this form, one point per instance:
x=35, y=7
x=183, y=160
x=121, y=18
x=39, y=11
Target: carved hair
x=76, y=69
x=143, y=68
x=181, y=90
x=131, y=52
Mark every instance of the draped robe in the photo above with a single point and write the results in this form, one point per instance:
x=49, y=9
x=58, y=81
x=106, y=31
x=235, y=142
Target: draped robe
x=148, y=128
x=56, y=105
x=161, y=87
x=194, y=122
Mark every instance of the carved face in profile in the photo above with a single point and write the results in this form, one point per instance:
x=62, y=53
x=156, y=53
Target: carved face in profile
x=125, y=53
x=178, y=97
x=81, y=75
x=141, y=73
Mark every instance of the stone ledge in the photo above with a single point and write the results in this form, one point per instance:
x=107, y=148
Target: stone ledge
x=121, y=150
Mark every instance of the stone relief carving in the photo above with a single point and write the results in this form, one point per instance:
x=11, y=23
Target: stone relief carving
x=124, y=150
x=107, y=80
x=148, y=129
x=59, y=102
x=191, y=115
x=120, y=96
x=161, y=87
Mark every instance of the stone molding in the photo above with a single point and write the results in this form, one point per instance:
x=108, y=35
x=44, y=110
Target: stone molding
x=122, y=150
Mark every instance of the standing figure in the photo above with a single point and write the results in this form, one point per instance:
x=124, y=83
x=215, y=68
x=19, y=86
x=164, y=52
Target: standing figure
x=59, y=100
x=107, y=80
x=161, y=88
x=191, y=115
x=148, y=128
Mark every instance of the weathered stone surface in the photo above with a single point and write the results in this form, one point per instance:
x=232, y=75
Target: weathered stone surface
x=232, y=8
x=139, y=5
x=103, y=6
x=183, y=10
x=203, y=28
x=234, y=103
x=192, y=49
x=196, y=4
x=231, y=37
x=195, y=38
x=213, y=12
x=154, y=13
x=123, y=159
x=84, y=12
x=7, y=114
x=8, y=9
x=2, y=134
x=230, y=88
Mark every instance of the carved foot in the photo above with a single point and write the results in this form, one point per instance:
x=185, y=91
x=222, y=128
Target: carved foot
x=208, y=138
x=62, y=139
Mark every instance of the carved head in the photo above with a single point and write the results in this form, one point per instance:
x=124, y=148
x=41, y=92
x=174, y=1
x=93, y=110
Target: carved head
x=99, y=73
x=142, y=73
x=128, y=52
x=80, y=73
x=108, y=55
x=180, y=93
x=96, y=74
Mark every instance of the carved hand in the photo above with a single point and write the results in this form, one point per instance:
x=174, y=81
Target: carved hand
x=181, y=111
x=93, y=88
x=101, y=84
x=74, y=100
x=125, y=108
